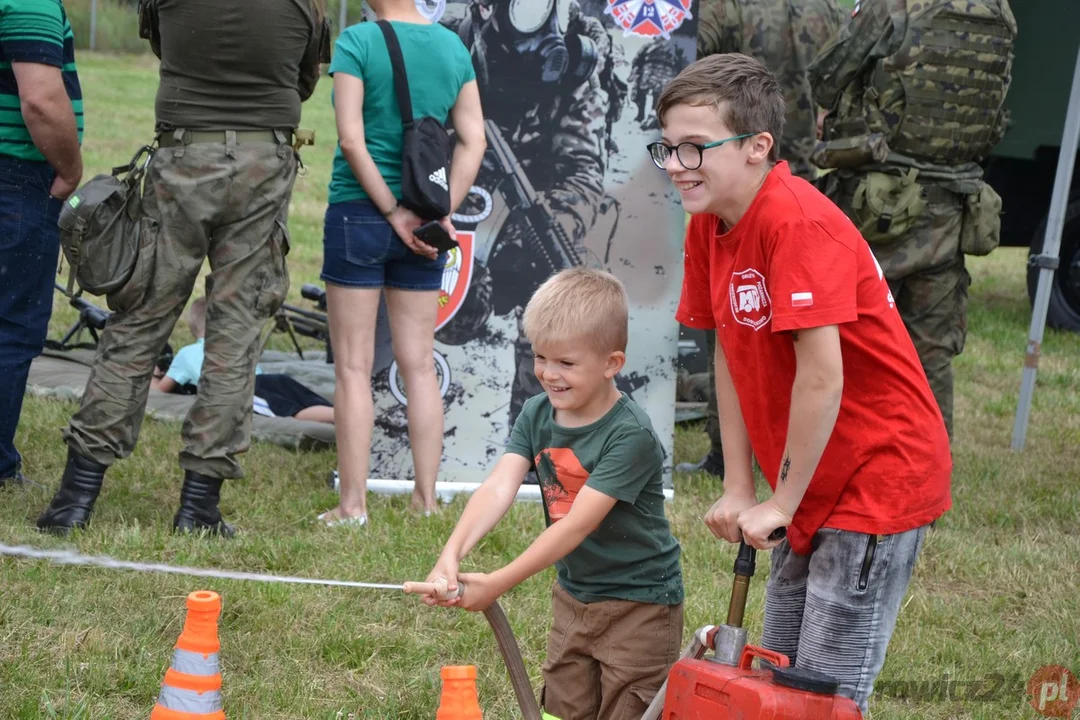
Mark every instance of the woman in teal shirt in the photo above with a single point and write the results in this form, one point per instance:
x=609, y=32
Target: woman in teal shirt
x=368, y=241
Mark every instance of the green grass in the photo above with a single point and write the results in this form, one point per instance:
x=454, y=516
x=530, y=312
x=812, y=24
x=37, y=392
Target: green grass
x=994, y=592
x=117, y=28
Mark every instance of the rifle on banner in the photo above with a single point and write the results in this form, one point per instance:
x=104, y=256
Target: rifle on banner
x=552, y=241
x=309, y=323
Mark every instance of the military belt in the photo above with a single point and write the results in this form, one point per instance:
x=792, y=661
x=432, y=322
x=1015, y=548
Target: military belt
x=168, y=139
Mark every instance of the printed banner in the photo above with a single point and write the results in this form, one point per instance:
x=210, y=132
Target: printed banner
x=568, y=89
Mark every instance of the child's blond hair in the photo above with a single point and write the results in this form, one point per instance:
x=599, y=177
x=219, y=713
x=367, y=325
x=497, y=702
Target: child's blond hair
x=580, y=304
x=196, y=317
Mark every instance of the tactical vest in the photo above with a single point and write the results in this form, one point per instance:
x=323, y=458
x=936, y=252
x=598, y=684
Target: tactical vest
x=940, y=97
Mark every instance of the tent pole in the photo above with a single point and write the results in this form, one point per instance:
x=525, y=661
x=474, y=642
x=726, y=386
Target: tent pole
x=1047, y=260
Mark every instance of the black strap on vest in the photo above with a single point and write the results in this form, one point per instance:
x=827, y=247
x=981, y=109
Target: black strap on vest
x=401, y=79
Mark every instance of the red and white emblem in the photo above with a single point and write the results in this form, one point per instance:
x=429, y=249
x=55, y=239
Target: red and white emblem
x=750, y=302
x=456, y=278
x=649, y=18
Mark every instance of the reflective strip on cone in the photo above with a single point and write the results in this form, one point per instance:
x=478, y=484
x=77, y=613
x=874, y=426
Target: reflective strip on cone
x=191, y=663
x=190, y=701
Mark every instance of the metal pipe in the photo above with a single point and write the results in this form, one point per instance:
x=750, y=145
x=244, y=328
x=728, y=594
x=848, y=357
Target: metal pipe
x=93, y=24
x=1048, y=258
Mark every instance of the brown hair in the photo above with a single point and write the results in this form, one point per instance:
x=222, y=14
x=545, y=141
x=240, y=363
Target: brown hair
x=741, y=89
x=580, y=304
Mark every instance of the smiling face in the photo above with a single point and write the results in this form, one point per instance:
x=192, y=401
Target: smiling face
x=577, y=379
x=728, y=175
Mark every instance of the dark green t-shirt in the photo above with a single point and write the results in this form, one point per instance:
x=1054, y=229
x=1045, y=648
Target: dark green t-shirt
x=632, y=555
x=235, y=64
x=437, y=65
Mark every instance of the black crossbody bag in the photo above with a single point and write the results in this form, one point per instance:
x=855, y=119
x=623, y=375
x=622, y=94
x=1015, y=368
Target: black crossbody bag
x=425, y=166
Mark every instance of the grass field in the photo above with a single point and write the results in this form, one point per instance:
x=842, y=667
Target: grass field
x=993, y=600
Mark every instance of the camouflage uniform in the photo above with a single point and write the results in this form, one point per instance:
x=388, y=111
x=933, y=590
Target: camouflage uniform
x=654, y=66
x=557, y=133
x=918, y=85
x=200, y=202
x=217, y=189
x=784, y=35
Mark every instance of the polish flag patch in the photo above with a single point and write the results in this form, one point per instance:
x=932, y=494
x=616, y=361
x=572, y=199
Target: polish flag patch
x=803, y=299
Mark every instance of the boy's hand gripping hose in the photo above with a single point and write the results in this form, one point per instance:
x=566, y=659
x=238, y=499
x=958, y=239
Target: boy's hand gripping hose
x=504, y=636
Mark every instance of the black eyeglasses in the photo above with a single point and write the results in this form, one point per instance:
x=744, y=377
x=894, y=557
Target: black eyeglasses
x=689, y=154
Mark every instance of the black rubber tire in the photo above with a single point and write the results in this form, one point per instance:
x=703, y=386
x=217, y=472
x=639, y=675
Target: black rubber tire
x=1064, y=309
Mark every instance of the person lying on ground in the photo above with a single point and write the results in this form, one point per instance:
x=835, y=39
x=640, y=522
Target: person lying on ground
x=276, y=395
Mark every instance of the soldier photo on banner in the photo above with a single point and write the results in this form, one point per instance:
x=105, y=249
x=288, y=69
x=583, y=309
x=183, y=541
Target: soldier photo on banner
x=566, y=181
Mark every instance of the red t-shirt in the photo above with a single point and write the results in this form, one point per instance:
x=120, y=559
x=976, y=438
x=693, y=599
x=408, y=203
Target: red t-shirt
x=795, y=261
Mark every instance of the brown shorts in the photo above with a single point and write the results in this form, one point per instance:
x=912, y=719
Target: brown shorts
x=606, y=660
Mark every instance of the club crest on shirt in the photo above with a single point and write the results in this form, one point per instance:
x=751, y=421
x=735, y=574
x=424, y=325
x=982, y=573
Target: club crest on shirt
x=750, y=302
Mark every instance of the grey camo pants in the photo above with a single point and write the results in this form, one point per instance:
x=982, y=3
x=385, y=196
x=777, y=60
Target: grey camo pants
x=834, y=610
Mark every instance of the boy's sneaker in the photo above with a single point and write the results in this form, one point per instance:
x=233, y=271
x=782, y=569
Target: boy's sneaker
x=713, y=463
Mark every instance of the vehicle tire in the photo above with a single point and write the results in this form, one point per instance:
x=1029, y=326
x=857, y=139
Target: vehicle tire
x=1064, y=310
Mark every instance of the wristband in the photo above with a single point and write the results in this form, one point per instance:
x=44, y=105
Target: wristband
x=391, y=211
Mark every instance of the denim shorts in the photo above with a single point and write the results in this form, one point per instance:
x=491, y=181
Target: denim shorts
x=361, y=250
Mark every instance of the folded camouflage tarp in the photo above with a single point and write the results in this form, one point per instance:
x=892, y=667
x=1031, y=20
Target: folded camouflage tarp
x=63, y=375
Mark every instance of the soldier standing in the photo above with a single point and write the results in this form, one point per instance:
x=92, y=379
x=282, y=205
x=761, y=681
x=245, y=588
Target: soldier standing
x=233, y=75
x=916, y=94
x=785, y=36
x=653, y=67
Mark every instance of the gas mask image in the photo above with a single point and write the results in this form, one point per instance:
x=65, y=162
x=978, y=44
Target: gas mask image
x=534, y=32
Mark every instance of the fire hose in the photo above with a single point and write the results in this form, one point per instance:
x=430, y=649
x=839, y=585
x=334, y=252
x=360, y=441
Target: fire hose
x=494, y=614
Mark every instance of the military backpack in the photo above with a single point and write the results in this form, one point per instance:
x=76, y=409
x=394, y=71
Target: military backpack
x=99, y=228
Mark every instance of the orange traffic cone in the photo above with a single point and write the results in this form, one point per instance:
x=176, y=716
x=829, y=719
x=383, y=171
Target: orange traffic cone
x=459, y=700
x=192, y=687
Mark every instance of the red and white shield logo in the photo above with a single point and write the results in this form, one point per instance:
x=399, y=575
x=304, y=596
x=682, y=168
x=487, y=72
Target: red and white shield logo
x=750, y=302
x=456, y=278
x=649, y=18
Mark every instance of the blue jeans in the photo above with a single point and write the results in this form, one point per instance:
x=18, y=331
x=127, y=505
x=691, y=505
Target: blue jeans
x=834, y=610
x=361, y=250
x=29, y=250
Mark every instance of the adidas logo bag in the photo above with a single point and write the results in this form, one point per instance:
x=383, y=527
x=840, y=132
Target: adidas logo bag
x=425, y=167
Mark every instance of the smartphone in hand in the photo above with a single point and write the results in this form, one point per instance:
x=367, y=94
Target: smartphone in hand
x=434, y=234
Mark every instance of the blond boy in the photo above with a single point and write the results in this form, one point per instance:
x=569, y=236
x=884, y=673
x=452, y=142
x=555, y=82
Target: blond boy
x=617, y=604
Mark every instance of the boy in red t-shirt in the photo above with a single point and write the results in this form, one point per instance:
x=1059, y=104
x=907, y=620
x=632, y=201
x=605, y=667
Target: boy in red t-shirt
x=816, y=377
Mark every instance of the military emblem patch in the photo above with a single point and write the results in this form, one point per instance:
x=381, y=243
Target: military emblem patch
x=456, y=278
x=649, y=18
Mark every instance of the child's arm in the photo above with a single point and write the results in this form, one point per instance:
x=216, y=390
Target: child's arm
x=163, y=384
x=485, y=508
x=588, y=511
x=815, y=404
x=723, y=517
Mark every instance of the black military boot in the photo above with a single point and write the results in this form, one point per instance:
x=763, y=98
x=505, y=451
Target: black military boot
x=74, y=501
x=713, y=463
x=199, y=506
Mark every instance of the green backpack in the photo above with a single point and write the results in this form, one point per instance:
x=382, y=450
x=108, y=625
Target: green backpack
x=99, y=228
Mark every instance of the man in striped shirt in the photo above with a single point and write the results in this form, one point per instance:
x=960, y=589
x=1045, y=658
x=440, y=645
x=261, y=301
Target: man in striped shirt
x=41, y=124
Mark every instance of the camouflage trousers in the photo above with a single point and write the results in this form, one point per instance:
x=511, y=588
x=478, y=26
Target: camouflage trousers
x=927, y=276
x=228, y=204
